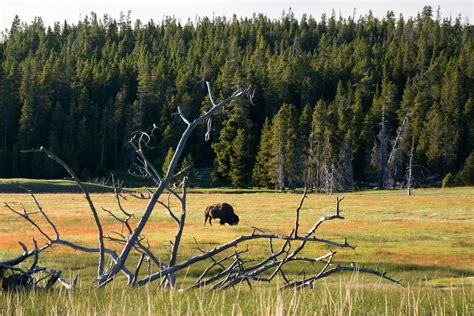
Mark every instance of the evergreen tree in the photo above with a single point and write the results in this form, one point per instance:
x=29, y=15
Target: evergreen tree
x=100, y=80
x=167, y=161
x=304, y=145
x=466, y=175
x=190, y=172
x=262, y=172
x=345, y=173
x=33, y=107
x=284, y=148
x=331, y=146
x=225, y=150
x=240, y=161
x=317, y=144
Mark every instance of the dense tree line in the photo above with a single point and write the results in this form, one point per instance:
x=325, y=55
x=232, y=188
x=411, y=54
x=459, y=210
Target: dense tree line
x=338, y=102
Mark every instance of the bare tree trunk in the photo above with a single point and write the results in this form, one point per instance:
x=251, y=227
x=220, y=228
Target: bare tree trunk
x=383, y=148
x=332, y=180
x=410, y=166
x=280, y=163
x=163, y=183
x=177, y=240
x=102, y=154
x=318, y=167
x=392, y=162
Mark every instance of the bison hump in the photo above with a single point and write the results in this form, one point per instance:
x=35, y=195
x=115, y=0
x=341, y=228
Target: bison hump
x=228, y=206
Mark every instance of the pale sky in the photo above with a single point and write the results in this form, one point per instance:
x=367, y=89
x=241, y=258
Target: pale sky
x=73, y=10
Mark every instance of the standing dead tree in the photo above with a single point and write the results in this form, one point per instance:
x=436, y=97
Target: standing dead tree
x=410, y=166
x=380, y=150
x=385, y=156
x=226, y=269
x=393, y=158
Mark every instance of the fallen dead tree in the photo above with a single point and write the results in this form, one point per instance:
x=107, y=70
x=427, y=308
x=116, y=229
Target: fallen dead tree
x=227, y=267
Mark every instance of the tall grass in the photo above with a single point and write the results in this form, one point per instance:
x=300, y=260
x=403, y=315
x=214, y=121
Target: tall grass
x=348, y=297
x=425, y=237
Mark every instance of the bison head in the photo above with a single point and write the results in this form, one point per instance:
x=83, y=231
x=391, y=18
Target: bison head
x=234, y=220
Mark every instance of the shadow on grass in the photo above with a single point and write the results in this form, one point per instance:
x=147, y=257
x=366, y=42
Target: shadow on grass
x=48, y=186
x=69, y=186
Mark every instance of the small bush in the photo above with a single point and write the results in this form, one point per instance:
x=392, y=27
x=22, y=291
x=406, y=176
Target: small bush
x=448, y=180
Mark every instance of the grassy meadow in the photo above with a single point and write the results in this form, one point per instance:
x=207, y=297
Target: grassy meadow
x=425, y=240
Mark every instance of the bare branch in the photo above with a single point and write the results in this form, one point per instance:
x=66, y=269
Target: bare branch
x=211, y=98
x=163, y=185
x=44, y=214
x=207, y=136
x=233, y=243
x=185, y=120
x=297, y=220
x=100, y=231
x=222, y=272
x=339, y=268
x=137, y=271
x=27, y=217
x=326, y=218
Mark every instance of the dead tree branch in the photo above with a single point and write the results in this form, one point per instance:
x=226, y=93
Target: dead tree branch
x=100, y=231
x=163, y=184
x=297, y=220
x=224, y=270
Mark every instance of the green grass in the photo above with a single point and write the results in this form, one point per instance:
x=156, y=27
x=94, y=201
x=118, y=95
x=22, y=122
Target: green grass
x=426, y=240
x=344, y=298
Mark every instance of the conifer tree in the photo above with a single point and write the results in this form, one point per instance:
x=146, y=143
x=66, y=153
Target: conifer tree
x=468, y=118
x=317, y=143
x=190, y=172
x=344, y=171
x=224, y=148
x=466, y=175
x=240, y=161
x=262, y=171
x=304, y=144
x=32, y=113
x=331, y=146
x=111, y=78
x=284, y=147
x=167, y=161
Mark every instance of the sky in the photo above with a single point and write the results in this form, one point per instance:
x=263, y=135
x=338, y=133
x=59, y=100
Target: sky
x=73, y=10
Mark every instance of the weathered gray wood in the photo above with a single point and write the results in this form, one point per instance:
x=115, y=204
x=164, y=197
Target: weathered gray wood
x=100, y=231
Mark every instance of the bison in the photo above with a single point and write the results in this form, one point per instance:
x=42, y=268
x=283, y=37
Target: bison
x=223, y=211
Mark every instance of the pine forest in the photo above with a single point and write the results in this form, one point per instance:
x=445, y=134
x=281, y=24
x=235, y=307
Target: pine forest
x=338, y=103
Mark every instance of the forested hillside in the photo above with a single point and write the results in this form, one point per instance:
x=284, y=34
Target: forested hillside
x=338, y=102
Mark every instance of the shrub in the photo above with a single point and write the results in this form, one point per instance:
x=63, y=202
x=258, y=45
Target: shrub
x=448, y=180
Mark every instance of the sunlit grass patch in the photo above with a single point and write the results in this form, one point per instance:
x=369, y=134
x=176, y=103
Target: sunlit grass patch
x=426, y=240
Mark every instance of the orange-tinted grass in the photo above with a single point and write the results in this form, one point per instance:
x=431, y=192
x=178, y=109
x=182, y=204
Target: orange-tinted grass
x=431, y=228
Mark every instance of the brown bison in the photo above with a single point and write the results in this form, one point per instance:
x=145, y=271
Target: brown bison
x=223, y=211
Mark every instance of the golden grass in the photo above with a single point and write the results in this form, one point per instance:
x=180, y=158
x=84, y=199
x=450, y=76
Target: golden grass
x=432, y=229
x=426, y=240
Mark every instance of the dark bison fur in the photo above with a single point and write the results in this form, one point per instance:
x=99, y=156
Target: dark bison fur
x=223, y=211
